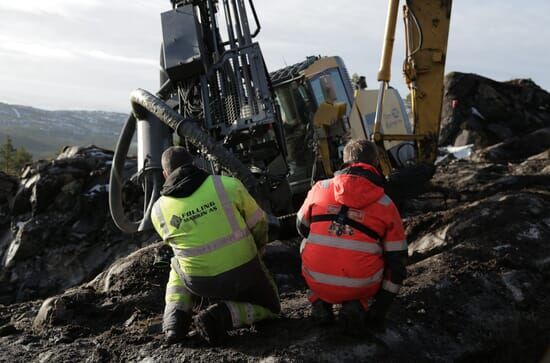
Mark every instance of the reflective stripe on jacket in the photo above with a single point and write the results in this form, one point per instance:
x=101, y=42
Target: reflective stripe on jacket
x=215, y=229
x=340, y=262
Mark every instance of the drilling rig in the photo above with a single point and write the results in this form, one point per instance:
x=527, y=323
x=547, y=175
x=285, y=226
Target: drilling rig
x=215, y=98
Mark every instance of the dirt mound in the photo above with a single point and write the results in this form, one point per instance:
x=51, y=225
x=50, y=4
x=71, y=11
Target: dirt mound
x=128, y=286
x=59, y=231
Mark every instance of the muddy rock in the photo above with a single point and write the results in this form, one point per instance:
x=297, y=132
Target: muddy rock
x=8, y=186
x=520, y=216
x=130, y=285
x=133, y=286
x=517, y=148
x=60, y=233
x=536, y=164
x=484, y=112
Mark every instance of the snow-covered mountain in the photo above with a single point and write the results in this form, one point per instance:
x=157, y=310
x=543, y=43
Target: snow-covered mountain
x=43, y=133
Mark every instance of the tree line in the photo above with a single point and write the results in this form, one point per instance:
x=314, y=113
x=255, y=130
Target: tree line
x=13, y=159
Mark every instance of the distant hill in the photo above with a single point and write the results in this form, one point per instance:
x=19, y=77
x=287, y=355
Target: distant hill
x=43, y=133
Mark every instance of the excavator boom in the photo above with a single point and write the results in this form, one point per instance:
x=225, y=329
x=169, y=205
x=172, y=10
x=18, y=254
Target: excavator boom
x=426, y=34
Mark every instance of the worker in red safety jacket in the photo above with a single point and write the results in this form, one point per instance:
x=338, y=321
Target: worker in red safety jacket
x=354, y=246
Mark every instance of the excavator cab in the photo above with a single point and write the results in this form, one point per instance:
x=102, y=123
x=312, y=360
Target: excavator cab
x=320, y=112
x=314, y=98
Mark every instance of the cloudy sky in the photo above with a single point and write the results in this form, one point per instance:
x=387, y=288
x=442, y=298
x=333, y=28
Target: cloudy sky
x=90, y=54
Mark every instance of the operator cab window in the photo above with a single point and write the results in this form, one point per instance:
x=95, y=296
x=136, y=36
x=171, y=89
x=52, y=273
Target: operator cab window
x=329, y=87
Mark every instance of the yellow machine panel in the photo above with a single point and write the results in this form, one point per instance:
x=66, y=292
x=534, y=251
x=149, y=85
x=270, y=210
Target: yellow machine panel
x=394, y=121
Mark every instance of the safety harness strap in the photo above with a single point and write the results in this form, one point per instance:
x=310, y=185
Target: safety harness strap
x=343, y=219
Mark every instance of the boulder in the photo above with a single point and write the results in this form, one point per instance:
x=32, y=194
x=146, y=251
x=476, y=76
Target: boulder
x=8, y=186
x=516, y=149
x=480, y=111
x=131, y=283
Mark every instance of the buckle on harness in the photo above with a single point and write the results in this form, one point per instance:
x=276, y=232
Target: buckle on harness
x=338, y=225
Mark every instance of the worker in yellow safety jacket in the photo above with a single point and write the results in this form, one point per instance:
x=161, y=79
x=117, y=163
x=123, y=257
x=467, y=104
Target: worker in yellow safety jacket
x=215, y=229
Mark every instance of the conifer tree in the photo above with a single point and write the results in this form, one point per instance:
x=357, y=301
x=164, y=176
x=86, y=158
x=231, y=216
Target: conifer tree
x=7, y=155
x=13, y=159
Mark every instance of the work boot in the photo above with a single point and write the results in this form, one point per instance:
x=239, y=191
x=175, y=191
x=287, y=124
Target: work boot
x=375, y=321
x=213, y=323
x=321, y=312
x=352, y=317
x=172, y=337
x=178, y=328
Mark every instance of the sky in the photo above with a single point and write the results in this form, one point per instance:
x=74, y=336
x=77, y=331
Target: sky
x=90, y=54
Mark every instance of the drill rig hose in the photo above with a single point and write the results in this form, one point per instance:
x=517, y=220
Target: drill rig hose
x=144, y=102
x=117, y=177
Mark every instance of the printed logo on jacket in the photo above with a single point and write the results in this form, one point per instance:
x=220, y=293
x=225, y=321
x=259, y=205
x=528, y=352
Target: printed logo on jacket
x=193, y=214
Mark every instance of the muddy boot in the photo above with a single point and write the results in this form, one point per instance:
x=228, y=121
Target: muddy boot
x=172, y=337
x=213, y=323
x=376, y=316
x=352, y=318
x=175, y=333
x=375, y=322
x=321, y=312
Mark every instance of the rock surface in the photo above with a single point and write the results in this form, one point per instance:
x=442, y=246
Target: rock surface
x=60, y=232
x=483, y=112
x=8, y=186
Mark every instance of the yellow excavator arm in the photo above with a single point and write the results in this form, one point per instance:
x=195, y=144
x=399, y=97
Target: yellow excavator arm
x=426, y=34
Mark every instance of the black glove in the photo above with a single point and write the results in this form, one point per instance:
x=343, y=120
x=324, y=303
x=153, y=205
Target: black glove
x=274, y=227
x=163, y=256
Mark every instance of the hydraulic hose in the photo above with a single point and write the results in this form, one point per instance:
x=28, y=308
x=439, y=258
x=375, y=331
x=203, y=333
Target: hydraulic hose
x=143, y=101
x=117, y=177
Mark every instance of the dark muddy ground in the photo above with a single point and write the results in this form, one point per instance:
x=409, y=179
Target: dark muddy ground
x=477, y=290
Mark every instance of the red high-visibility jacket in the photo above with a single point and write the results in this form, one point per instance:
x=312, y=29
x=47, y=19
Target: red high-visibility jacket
x=351, y=260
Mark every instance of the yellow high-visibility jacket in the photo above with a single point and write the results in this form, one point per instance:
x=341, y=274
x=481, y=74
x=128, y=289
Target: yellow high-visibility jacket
x=215, y=229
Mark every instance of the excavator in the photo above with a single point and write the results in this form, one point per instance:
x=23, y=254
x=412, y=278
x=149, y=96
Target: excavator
x=278, y=132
